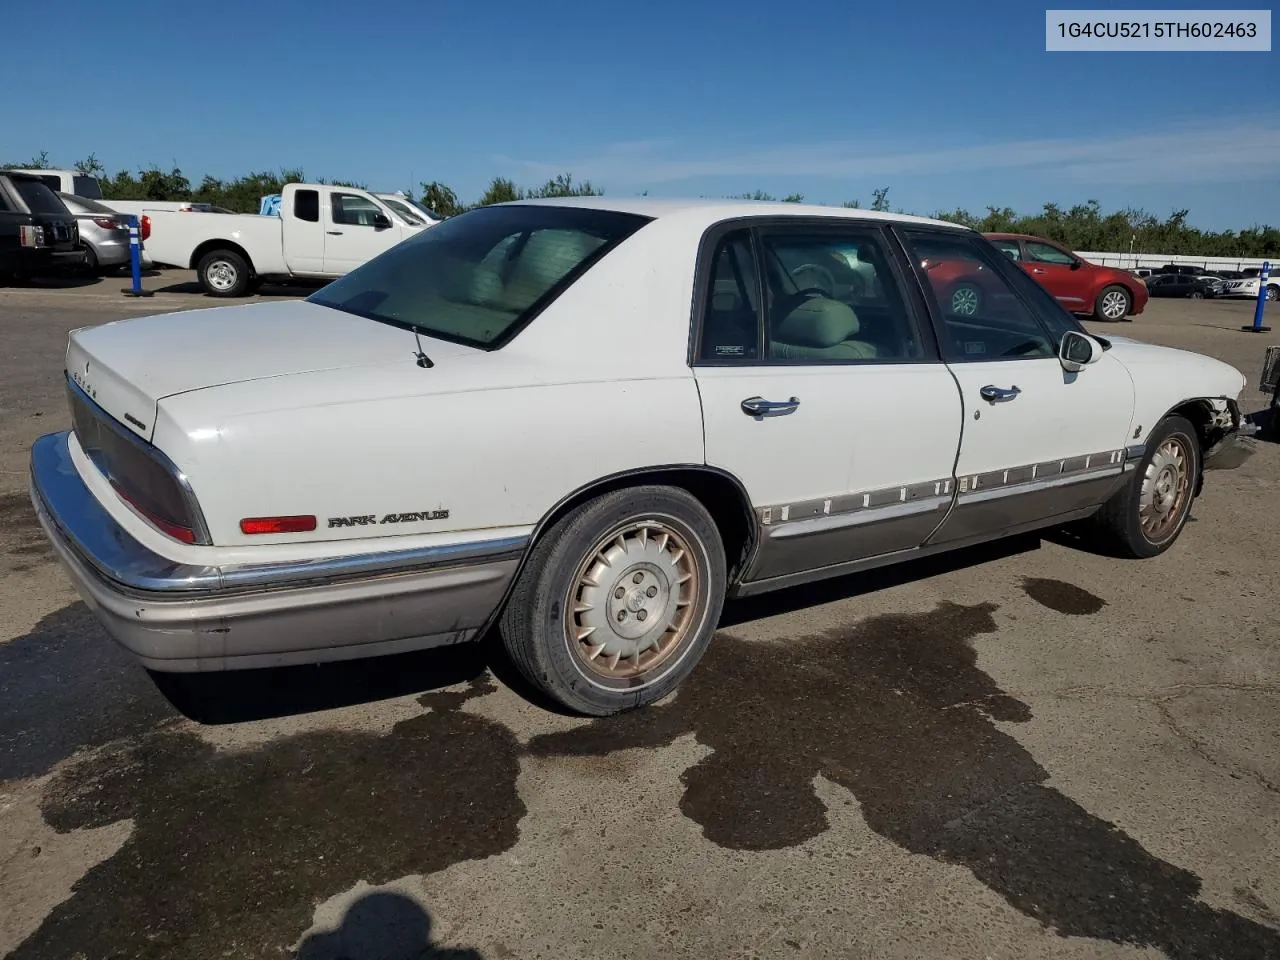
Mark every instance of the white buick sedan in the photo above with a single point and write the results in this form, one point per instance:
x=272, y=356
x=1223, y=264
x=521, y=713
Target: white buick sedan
x=586, y=422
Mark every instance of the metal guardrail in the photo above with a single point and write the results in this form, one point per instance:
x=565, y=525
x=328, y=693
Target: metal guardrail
x=1133, y=261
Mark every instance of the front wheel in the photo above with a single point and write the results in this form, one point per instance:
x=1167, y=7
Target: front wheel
x=1273, y=292
x=223, y=273
x=1113, y=303
x=1145, y=516
x=618, y=601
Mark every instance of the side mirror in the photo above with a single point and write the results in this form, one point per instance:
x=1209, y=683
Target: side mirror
x=1077, y=264
x=381, y=221
x=1076, y=351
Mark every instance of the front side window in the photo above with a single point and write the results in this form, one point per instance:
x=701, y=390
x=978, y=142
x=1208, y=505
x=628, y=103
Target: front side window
x=354, y=210
x=1009, y=248
x=478, y=278
x=983, y=316
x=1047, y=253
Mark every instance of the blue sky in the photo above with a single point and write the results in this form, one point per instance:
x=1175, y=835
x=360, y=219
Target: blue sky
x=948, y=104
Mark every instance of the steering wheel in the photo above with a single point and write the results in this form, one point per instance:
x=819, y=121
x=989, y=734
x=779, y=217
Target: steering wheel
x=824, y=276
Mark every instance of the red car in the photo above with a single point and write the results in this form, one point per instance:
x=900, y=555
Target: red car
x=1103, y=293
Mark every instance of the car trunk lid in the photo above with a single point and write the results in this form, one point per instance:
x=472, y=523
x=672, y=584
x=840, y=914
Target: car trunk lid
x=127, y=367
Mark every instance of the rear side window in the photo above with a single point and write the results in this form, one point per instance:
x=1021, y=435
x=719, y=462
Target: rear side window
x=478, y=278
x=306, y=205
x=38, y=197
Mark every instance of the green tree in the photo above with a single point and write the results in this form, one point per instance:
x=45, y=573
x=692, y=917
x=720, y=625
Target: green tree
x=501, y=190
x=441, y=198
x=879, y=199
x=564, y=186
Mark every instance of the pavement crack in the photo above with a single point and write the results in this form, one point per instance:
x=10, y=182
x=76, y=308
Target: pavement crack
x=1202, y=750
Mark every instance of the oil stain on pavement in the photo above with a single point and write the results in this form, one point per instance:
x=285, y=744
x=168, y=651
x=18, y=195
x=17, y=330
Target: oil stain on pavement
x=22, y=541
x=231, y=851
x=1062, y=597
x=895, y=709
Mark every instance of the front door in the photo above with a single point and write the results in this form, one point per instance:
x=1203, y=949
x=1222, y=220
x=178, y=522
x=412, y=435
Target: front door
x=1062, y=274
x=1039, y=442
x=352, y=236
x=822, y=392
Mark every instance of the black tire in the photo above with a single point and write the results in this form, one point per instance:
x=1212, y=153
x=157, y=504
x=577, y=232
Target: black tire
x=1273, y=292
x=565, y=572
x=224, y=273
x=90, y=261
x=1119, y=521
x=1108, y=295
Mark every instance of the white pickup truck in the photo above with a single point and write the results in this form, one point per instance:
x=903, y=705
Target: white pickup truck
x=322, y=232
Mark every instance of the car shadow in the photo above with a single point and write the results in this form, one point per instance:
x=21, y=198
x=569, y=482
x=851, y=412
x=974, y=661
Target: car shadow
x=237, y=696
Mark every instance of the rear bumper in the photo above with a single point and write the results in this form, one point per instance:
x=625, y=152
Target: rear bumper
x=177, y=617
x=110, y=252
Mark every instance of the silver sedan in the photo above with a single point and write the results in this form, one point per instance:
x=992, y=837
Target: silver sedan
x=104, y=233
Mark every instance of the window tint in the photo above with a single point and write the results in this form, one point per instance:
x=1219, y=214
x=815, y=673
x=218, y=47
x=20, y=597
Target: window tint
x=38, y=197
x=1044, y=253
x=87, y=187
x=4, y=204
x=306, y=205
x=477, y=278
x=983, y=318
x=1009, y=248
x=353, y=210
x=830, y=297
x=730, y=322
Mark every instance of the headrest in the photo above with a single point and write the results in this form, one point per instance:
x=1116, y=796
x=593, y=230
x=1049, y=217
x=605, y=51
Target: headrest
x=818, y=322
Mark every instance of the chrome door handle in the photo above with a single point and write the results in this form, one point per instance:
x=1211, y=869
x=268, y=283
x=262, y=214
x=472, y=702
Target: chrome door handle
x=760, y=407
x=334, y=233
x=999, y=394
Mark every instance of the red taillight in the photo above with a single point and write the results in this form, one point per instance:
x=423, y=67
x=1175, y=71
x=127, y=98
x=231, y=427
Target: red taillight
x=177, y=531
x=106, y=223
x=146, y=227
x=277, y=524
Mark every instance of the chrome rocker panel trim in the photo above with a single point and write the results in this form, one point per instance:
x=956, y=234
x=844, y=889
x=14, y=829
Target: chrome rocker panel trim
x=182, y=618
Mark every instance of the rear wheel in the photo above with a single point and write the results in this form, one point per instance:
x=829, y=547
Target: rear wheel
x=1145, y=516
x=618, y=601
x=1113, y=303
x=224, y=273
x=1273, y=292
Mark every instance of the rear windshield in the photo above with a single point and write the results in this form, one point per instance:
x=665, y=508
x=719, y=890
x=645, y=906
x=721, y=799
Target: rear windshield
x=478, y=278
x=38, y=197
x=86, y=187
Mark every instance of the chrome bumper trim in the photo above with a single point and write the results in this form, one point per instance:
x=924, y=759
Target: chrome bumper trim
x=178, y=618
x=59, y=494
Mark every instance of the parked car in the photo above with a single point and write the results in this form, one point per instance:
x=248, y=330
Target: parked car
x=1084, y=288
x=588, y=421
x=68, y=181
x=1185, y=269
x=38, y=235
x=1183, y=285
x=104, y=234
x=1248, y=288
x=322, y=232
x=408, y=210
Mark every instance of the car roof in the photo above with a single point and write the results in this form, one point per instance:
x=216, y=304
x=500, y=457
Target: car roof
x=996, y=235
x=713, y=210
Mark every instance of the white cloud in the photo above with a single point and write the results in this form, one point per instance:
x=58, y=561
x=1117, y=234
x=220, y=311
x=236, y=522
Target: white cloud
x=1219, y=150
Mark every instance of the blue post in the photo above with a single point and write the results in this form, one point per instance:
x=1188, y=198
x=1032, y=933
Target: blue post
x=1262, y=300
x=135, y=260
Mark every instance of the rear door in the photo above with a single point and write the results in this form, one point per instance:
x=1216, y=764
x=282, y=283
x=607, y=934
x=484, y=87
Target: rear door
x=353, y=234
x=1039, y=443
x=302, y=230
x=822, y=391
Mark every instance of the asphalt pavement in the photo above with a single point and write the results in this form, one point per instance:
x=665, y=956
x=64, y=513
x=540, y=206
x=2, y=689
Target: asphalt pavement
x=1025, y=750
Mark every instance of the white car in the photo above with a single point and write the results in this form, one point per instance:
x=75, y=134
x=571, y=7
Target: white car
x=589, y=421
x=1248, y=288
